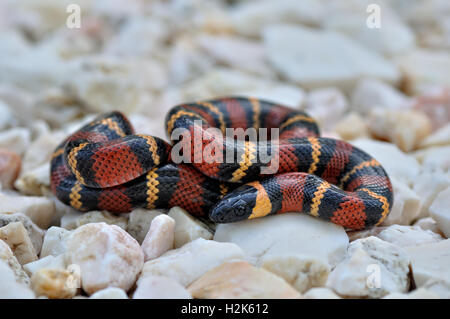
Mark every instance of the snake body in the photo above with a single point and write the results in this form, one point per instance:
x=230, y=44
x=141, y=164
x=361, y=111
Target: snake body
x=106, y=166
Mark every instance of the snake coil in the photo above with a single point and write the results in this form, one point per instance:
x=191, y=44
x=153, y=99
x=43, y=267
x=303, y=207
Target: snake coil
x=106, y=166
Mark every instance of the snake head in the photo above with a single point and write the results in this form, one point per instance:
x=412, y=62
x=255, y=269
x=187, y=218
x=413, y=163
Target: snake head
x=235, y=206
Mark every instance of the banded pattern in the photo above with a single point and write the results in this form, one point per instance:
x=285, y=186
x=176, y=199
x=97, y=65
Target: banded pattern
x=105, y=166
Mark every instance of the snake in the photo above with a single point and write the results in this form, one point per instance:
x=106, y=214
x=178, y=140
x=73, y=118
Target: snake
x=216, y=169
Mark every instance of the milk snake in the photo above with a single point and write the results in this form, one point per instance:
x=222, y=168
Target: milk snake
x=105, y=166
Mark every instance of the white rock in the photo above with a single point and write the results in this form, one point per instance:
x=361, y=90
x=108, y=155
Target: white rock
x=7, y=256
x=405, y=236
x=241, y=280
x=106, y=83
x=406, y=129
x=396, y=163
x=352, y=126
x=139, y=222
x=102, y=217
x=191, y=261
x=16, y=139
x=128, y=40
x=300, y=272
x=371, y=93
x=250, y=18
x=320, y=293
x=435, y=102
x=187, y=228
x=160, y=237
x=40, y=151
x=406, y=207
x=312, y=65
x=7, y=116
x=10, y=164
x=54, y=241
x=434, y=159
x=420, y=293
x=440, y=137
x=440, y=211
x=223, y=82
x=159, y=287
x=106, y=255
x=373, y=268
x=429, y=185
x=35, y=182
x=327, y=106
x=440, y=287
x=430, y=261
x=279, y=235
x=110, y=293
x=16, y=236
x=40, y=210
x=48, y=262
x=36, y=234
x=424, y=69
x=428, y=223
x=238, y=53
x=69, y=215
x=10, y=288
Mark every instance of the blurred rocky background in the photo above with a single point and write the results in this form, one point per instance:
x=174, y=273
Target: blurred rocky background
x=386, y=90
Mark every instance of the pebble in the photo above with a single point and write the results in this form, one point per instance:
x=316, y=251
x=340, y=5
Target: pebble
x=430, y=261
x=47, y=262
x=407, y=236
x=40, y=210
x=440, y=137
x=15, y=140
x=440, y=211
x=428, y=223
x=188, y=263
x=250, y=18
x=302, y=273
x=139, y=221
x=109, y=293
x=35, y=233
x=55, y=241
x=423, y=69
x=370, y=93
x=373, y=268
x=55, y=283
x=160, y=237
x=35, y=182
x=10, y=288
x=352, y=126
x=279, y=235
x=187, y=228
x=160, y=287
x=311, y=66
x=434, y=159
x=407, y=204
x=429, y=185
x=241, y=280
x=102, y=217
x=7, y=256
x=327, y=106
x=406, y=129
x=16, y=236
x=10, y=163
x=107, y=256
x=435, y=102
x=440, y=287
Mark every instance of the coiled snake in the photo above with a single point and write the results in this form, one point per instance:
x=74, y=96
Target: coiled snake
x=105, y=166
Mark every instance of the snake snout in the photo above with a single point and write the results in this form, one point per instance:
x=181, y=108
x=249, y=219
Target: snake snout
x=234, y=207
